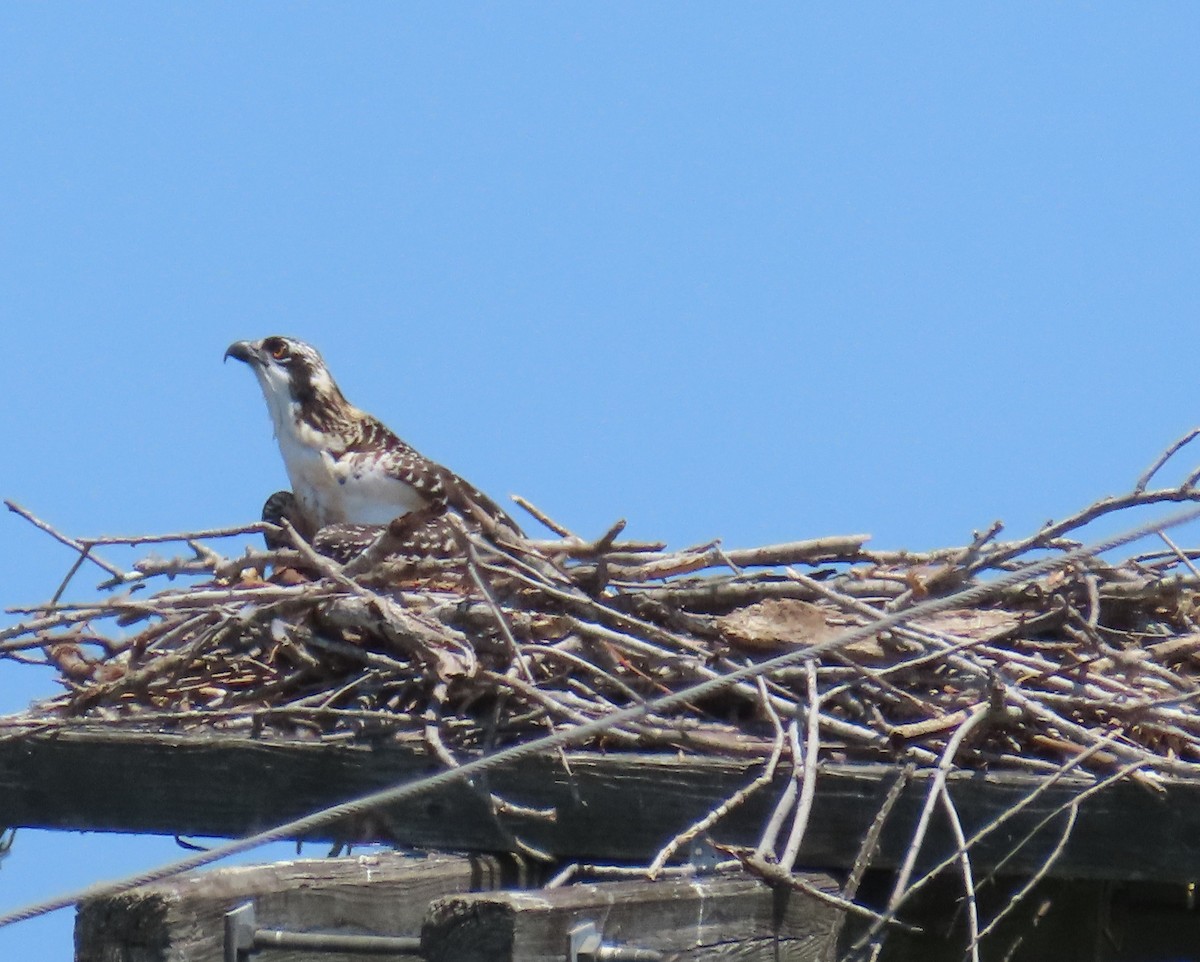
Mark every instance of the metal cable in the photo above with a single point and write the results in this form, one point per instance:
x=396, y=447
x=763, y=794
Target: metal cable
x=586, y=731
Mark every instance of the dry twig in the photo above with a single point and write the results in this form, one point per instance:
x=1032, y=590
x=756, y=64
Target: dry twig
x=1090, y=669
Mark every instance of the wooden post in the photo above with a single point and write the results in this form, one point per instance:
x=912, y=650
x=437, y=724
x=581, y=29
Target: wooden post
x=717, y=918
x=182, y=920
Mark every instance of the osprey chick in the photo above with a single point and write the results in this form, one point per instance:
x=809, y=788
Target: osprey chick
x=346, y=467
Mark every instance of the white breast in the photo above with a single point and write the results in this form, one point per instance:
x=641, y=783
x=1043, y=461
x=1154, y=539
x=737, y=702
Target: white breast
x=350, y=490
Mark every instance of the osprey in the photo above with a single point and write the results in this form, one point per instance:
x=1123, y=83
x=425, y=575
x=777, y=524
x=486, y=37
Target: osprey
x=350, y=474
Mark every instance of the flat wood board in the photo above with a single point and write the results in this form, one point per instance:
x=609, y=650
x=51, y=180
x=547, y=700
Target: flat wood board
x=616, y=808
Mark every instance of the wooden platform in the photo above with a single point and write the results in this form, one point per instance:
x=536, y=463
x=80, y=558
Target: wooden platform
x=608, y=808
x=455, y=909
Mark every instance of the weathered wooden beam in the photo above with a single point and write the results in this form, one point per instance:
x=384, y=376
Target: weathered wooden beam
x=617, y=807
x=182, y=920
x=698, y=918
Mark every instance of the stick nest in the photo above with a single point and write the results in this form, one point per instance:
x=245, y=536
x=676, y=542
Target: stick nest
x=524, y=638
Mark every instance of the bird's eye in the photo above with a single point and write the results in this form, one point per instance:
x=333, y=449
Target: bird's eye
x=280, y=351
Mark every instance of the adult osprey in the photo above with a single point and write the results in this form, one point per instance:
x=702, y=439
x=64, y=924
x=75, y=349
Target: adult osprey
x=350, y=474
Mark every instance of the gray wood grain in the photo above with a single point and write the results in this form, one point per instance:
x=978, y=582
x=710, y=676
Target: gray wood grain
x=609, y=808
x=725, y=919
x=182, y=920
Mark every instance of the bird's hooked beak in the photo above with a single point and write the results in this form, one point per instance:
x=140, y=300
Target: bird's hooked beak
x=246, y=351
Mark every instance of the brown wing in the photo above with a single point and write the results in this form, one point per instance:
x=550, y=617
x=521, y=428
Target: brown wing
x=440, y=486
x=473, y=504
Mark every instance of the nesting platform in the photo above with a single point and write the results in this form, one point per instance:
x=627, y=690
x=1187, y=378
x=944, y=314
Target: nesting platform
x=856, y=717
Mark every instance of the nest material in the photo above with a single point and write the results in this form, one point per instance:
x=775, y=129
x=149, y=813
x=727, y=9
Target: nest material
x=523, y=638
x=1091, y=669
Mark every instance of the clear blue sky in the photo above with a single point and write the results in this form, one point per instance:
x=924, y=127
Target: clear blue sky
x=760, y=272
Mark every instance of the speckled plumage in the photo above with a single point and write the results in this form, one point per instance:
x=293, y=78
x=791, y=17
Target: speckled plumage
x=347, y=469
x=428, y=538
